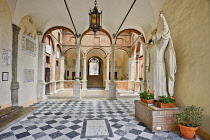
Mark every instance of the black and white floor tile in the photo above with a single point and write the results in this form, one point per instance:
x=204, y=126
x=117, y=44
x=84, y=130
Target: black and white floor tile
x=86, y=120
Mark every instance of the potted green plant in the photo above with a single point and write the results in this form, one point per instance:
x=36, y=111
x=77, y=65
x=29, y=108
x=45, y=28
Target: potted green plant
x=166, y=102
x=147, y=97
x=115, y=78
x=140, y=79
x=123, y=78
x=189, y=120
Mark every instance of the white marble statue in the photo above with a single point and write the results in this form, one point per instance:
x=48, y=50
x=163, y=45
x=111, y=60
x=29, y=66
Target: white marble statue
x=161, y=62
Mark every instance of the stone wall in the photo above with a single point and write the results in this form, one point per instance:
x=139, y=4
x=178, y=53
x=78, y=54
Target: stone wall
x=5, y=44
x=156, y=119
x=189, y=23
x=27, y=61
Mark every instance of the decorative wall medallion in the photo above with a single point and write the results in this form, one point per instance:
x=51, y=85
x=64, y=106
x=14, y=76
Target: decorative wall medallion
x=29, y=44
x=6, y=58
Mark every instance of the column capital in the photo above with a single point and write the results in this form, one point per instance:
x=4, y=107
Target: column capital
x=77, y=44
x=107, y=57
x=84, y=57
x=113, y=45
x=15, y=28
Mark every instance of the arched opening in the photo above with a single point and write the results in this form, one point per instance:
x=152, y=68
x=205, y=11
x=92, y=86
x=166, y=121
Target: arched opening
x=93, y=66
x=95, y=72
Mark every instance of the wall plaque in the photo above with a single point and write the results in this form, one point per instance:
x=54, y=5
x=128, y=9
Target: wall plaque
x=6, y=58
x=29, y=44
x=28, y=75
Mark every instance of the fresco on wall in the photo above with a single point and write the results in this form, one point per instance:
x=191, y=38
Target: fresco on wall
x=6, y=58
x=29, y=44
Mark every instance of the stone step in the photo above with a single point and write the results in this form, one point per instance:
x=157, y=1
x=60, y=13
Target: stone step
x=9, y=110
x=15, y=116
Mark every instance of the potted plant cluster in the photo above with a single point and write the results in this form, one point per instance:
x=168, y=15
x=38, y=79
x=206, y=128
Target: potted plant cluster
x=189, y=120
x=123, y=78
x=147, y=97
x=115, y=78
x=166, y=102
x=68, y=77
x=140, y=79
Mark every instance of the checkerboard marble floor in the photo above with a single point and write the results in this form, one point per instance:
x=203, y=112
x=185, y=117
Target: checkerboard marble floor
x=86, y=120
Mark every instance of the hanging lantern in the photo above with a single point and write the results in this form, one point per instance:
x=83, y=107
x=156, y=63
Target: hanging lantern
x=95, y=19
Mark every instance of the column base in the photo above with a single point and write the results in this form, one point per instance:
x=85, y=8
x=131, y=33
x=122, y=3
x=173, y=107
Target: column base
x=41, y=90
x=107, y=85
x=84, y=84
x=14, y=93
x=112, y=91
x=76, y=90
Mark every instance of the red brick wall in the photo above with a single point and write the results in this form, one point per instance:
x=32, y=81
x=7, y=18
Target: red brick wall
x=164, y=118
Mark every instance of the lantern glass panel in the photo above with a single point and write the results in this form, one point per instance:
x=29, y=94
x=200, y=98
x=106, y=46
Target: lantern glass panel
x=93, y=18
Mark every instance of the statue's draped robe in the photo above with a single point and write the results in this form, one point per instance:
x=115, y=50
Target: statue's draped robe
x=162, y=66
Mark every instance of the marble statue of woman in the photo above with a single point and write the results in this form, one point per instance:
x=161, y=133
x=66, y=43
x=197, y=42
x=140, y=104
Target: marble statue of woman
x=161, y=62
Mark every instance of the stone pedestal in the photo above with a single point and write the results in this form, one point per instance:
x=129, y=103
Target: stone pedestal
x=84, y=84
x=112, y=91
x=137, y=86
x=41, y=89
x=156, y=119
x=107, y=85
x=54, y=90
x=76, y=90
x=61, y=84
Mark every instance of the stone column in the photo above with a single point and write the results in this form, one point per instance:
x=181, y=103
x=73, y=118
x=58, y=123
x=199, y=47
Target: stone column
x=84, y=81
x=112, y=84
x=144, y=84
x=54, y=91
x=62, y=72
x=137, y=68
x=77, y=84
x=107, y=73
x=131, y=73
x=14, y=84
x=41, y=74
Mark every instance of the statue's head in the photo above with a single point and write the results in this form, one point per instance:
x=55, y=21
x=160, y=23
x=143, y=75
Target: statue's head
x=154, y=35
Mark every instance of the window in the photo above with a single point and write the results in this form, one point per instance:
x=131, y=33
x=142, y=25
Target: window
x=94, y=66
x=57, y=63
x=47, y=59
x=59, y=37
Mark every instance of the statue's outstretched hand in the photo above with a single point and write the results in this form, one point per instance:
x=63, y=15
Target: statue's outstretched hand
x=161, y=14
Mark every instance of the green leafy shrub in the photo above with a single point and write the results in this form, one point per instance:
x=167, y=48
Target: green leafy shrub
x=190, y=117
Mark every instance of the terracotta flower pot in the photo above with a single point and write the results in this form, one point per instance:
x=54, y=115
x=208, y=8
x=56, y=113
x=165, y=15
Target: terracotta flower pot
x=165, y=105
x=148, y=101
x=187, y=132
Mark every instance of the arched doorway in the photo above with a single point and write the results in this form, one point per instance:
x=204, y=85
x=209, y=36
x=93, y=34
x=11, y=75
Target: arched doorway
x=95, y=74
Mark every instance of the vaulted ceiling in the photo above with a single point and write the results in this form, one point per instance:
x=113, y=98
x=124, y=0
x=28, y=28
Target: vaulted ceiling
x=50, y=13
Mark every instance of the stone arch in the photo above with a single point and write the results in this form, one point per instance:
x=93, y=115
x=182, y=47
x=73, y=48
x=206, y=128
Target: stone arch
x=81, y=50
x=50, y=39
x=128, y=53
x=102, y=30
x=102, y=49
x=55, y=28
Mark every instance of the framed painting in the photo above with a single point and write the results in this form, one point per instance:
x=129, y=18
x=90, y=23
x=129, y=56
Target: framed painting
x=5, y=76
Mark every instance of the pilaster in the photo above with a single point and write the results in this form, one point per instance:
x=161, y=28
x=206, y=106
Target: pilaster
x=112, y=84
x=14, y=84
x=41, y=75
x=77, y=84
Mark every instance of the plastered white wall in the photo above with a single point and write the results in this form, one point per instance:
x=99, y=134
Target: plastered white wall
x=189, y=23
x=27, y=91
x=5, y=43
